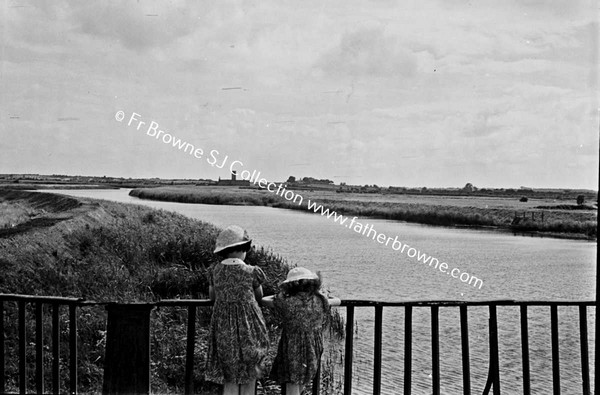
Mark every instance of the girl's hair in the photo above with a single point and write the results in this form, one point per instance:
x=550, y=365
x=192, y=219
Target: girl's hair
x=305, y=285
x=310, y=286
x=241, y=248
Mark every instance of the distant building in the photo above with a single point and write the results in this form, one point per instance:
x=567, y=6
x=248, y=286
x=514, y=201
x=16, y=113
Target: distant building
x=234, y=181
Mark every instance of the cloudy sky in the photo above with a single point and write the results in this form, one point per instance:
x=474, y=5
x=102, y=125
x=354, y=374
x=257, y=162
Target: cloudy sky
x=407, y=93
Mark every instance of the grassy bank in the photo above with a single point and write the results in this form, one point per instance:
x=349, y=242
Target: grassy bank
x=502, y=213
x=106, y=251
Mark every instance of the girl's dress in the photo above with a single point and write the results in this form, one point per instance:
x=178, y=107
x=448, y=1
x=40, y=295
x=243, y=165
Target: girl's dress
x=303, y=317
x=238, y=337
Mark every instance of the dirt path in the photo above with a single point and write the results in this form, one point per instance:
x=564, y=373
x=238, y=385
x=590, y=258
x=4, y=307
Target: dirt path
x=50, y=209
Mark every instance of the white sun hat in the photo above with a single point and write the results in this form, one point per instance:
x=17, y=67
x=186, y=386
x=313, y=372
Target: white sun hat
x=232, y=236
x=300, y=273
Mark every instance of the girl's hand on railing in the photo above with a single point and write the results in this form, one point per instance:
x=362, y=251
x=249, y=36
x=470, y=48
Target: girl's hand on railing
x=334, y=301
x=267, y=301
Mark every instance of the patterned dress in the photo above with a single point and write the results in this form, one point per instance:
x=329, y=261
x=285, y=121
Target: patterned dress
x=238, y=337
x=303, y=317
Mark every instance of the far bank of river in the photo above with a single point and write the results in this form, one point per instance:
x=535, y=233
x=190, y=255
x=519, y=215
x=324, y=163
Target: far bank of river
x=578, y=222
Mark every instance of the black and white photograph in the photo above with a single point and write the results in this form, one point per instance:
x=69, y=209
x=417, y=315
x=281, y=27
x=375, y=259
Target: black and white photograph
x=272, y=197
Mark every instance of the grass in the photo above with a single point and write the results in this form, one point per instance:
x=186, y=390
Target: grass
x=541, y=216
x=109, y=251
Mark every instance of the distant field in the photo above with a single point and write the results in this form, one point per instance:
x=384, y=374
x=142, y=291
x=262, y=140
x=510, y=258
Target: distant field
x=474, y=211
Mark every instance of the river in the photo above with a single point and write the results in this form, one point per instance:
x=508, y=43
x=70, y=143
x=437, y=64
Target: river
x=355, y=266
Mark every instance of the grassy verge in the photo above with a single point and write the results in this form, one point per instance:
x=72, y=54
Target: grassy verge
x=504, y=214
x=108, y=251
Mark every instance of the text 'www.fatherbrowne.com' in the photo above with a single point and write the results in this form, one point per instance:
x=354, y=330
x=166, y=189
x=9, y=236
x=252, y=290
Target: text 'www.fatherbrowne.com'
x=215, y=158
x=368, y=231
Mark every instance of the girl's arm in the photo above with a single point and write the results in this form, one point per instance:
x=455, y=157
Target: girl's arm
x=331, y=300
x=258, y=293
x=268, y=301
x=211, y=292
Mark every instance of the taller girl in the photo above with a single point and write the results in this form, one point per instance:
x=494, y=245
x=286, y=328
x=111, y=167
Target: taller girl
x=238, y=337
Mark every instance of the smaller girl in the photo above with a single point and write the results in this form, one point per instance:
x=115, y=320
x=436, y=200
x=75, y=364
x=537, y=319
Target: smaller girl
x=303, y=311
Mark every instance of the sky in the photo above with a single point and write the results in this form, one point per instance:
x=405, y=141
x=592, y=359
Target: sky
x=404, y=93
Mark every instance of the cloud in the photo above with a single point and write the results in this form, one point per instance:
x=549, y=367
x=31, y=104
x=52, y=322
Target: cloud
x=368, y=52
x=137, y=25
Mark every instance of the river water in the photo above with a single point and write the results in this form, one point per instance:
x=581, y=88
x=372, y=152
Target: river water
x=355, y=266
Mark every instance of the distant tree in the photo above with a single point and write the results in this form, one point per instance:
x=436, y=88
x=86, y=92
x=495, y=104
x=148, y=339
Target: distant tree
x=523, y=199
x=469, y=187
x=580, y=200
x=291, y=179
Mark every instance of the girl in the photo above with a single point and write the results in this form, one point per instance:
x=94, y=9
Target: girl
x=238, y=337
x=303, y=311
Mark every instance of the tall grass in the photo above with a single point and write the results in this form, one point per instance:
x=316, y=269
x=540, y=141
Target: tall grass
x=127, y=253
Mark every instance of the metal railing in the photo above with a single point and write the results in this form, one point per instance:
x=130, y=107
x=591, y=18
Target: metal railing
x=492, y=384
x=39, y=302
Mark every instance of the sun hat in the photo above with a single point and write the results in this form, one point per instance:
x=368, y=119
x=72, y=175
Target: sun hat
x=232, y=236
x=300, y=273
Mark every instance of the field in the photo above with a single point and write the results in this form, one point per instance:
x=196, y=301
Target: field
x=475, y=211
x=106, y=251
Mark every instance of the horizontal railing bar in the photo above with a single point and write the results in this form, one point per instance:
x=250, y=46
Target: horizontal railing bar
x=37, y=298
x=345, y=302
x=429, y=303
x=184, y=302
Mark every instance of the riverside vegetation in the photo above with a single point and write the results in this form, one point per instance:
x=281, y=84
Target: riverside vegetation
x=540, y=216
x=104, y=251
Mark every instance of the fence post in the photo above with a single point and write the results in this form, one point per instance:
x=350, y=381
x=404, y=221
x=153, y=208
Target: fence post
x=127, y=360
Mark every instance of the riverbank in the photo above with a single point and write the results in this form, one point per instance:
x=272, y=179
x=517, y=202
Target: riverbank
x=505, y=214
x=105, y=251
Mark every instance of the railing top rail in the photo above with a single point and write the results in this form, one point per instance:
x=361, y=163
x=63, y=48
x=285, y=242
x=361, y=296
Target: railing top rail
x=40, y=298
x=497, y=302
x=345, y=302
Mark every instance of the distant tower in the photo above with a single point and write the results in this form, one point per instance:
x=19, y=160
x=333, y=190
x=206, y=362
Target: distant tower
x=233, y=175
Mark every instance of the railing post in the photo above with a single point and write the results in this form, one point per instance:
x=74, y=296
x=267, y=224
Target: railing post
x=2, y=385
x=435, y=349
x=39, y=348
x=407, y=349
x=73, y=348
x=464, y=338
x=55, y=348
x=22, y=345
x=494, y=359
x=349, y=350
x=127, y=360
x=583, y=340
x=316, y=384
x=525, y=350
x=555, y=350
x=377, y=351
x=189, y=354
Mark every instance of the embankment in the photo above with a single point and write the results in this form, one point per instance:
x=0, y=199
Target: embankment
x=106, y=251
